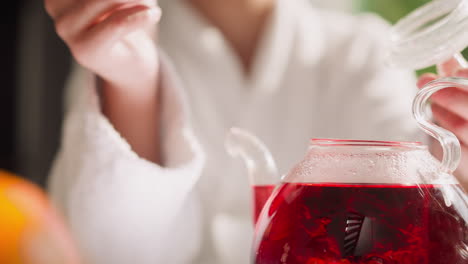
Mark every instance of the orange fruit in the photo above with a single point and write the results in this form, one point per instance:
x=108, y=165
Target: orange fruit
x=31, y=232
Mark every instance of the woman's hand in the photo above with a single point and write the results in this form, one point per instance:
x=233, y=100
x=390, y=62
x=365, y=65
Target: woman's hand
x=113, y=39
x=109, y=38
x=450, y=110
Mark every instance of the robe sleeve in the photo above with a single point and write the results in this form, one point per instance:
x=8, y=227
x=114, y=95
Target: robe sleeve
x=122, y=208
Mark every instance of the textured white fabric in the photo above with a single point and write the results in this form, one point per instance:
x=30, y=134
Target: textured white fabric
x=122, y=208
x=316, y=74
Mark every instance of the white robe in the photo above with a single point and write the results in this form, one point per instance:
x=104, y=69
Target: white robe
x=316, y=74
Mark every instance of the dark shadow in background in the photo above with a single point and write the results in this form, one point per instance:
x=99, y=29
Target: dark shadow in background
x=34, y=71
x=8, y=25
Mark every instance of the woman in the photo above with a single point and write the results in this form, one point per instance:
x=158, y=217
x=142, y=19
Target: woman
x=142, y=176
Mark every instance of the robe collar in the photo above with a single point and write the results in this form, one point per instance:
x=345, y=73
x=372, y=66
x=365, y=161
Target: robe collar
x=183, y=24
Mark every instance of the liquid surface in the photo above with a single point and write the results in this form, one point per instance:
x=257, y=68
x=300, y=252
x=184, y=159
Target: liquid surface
x=363, y=224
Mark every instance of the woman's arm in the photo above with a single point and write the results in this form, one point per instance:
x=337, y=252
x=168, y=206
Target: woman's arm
x=120, y=206
x=135, y=114
x=111, y=39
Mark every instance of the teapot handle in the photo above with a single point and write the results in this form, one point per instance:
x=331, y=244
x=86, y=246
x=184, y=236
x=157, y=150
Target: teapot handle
x=448, y=141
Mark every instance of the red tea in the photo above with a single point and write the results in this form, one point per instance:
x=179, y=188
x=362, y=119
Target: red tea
x=363, y=224
x=261, y=195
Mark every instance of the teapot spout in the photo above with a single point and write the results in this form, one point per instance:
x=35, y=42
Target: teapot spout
x=261, y=167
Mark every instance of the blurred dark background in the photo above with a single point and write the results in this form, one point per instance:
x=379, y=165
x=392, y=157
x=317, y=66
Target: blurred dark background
x=35, y=65
x=8, y=26
x=34, y=70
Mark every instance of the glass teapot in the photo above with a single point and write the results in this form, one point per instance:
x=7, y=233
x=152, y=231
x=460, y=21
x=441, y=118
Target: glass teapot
x=372, y=202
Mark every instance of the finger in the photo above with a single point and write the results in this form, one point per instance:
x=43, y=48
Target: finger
x=57, y=8
x=123, y=22
x=451, y=122
x=425, y=78
x=454, y=100
x=102, y=36
x=84, y=14
x=122, y=4
x=462, y=73
x=449, y=67
x=76, y=17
